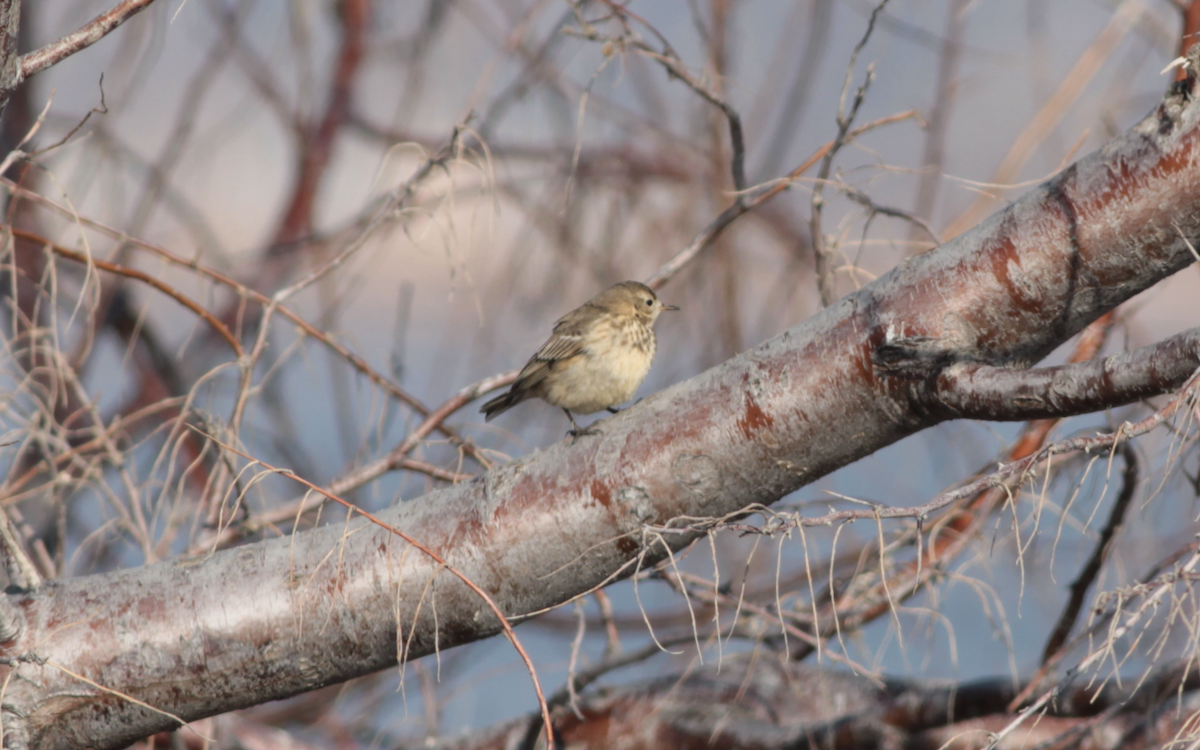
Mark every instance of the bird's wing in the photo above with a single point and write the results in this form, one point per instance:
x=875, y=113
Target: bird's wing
x=567, y=342
x=559, y=347
x=575, y=323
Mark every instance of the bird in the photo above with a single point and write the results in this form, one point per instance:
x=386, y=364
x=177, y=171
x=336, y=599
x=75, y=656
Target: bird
x=597, y=356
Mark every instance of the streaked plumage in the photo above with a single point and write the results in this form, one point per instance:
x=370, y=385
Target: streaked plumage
x=596, y=358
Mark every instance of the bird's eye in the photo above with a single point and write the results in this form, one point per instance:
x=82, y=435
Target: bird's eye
x=649, y=302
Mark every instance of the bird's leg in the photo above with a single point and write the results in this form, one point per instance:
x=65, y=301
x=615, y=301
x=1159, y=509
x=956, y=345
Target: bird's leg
x=575, y=430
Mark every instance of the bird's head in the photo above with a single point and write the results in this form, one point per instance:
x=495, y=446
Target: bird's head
x=633, y=298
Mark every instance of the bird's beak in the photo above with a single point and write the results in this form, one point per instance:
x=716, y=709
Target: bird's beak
x=670, y=307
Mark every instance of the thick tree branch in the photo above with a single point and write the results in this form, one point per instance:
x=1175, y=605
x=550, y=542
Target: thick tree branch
x=283, y=616
x=976, y=391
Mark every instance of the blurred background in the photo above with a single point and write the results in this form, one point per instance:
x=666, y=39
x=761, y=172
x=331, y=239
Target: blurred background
x=478, y=168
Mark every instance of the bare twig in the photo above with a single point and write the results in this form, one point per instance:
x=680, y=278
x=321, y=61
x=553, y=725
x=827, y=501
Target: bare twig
x=1100, y=552
x=1148, y=605
x=90, y=33
x=240, y=289
x=133, y=273
x=383, y=465
x=20, y=568
x=823, y=254
x=675, y=68
x=755, y=197
x=387, y=208
x=866, y=202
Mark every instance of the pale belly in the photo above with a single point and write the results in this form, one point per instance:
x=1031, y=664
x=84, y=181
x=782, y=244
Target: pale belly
x=591, y=385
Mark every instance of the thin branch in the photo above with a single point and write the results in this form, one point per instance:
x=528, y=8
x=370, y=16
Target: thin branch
x=675, y=68
x=396, y=456
x=1149, y=604
x=90, y=33
x=387, y=208
x=316, y=144
x=822, y=254
x=1165, y=571
x=1079, y=587
x=17, y=563
x=756, y=196
x=868, y=203
x=132, y=273
x=939, y=114
x=241, y=290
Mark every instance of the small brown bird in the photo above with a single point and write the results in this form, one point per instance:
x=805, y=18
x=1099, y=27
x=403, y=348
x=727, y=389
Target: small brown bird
x=597, y=357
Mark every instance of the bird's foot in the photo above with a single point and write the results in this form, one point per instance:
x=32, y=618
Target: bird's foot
x=575, y=432
x=578, y=432
x=613, y=409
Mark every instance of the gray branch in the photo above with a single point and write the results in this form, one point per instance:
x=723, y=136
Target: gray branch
x=15, y=68
x=976, y=391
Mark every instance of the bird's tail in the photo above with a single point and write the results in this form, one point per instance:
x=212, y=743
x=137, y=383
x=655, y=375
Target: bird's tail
x=500, y=404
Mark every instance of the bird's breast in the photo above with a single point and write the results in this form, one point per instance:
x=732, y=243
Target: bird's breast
x=613, y=365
